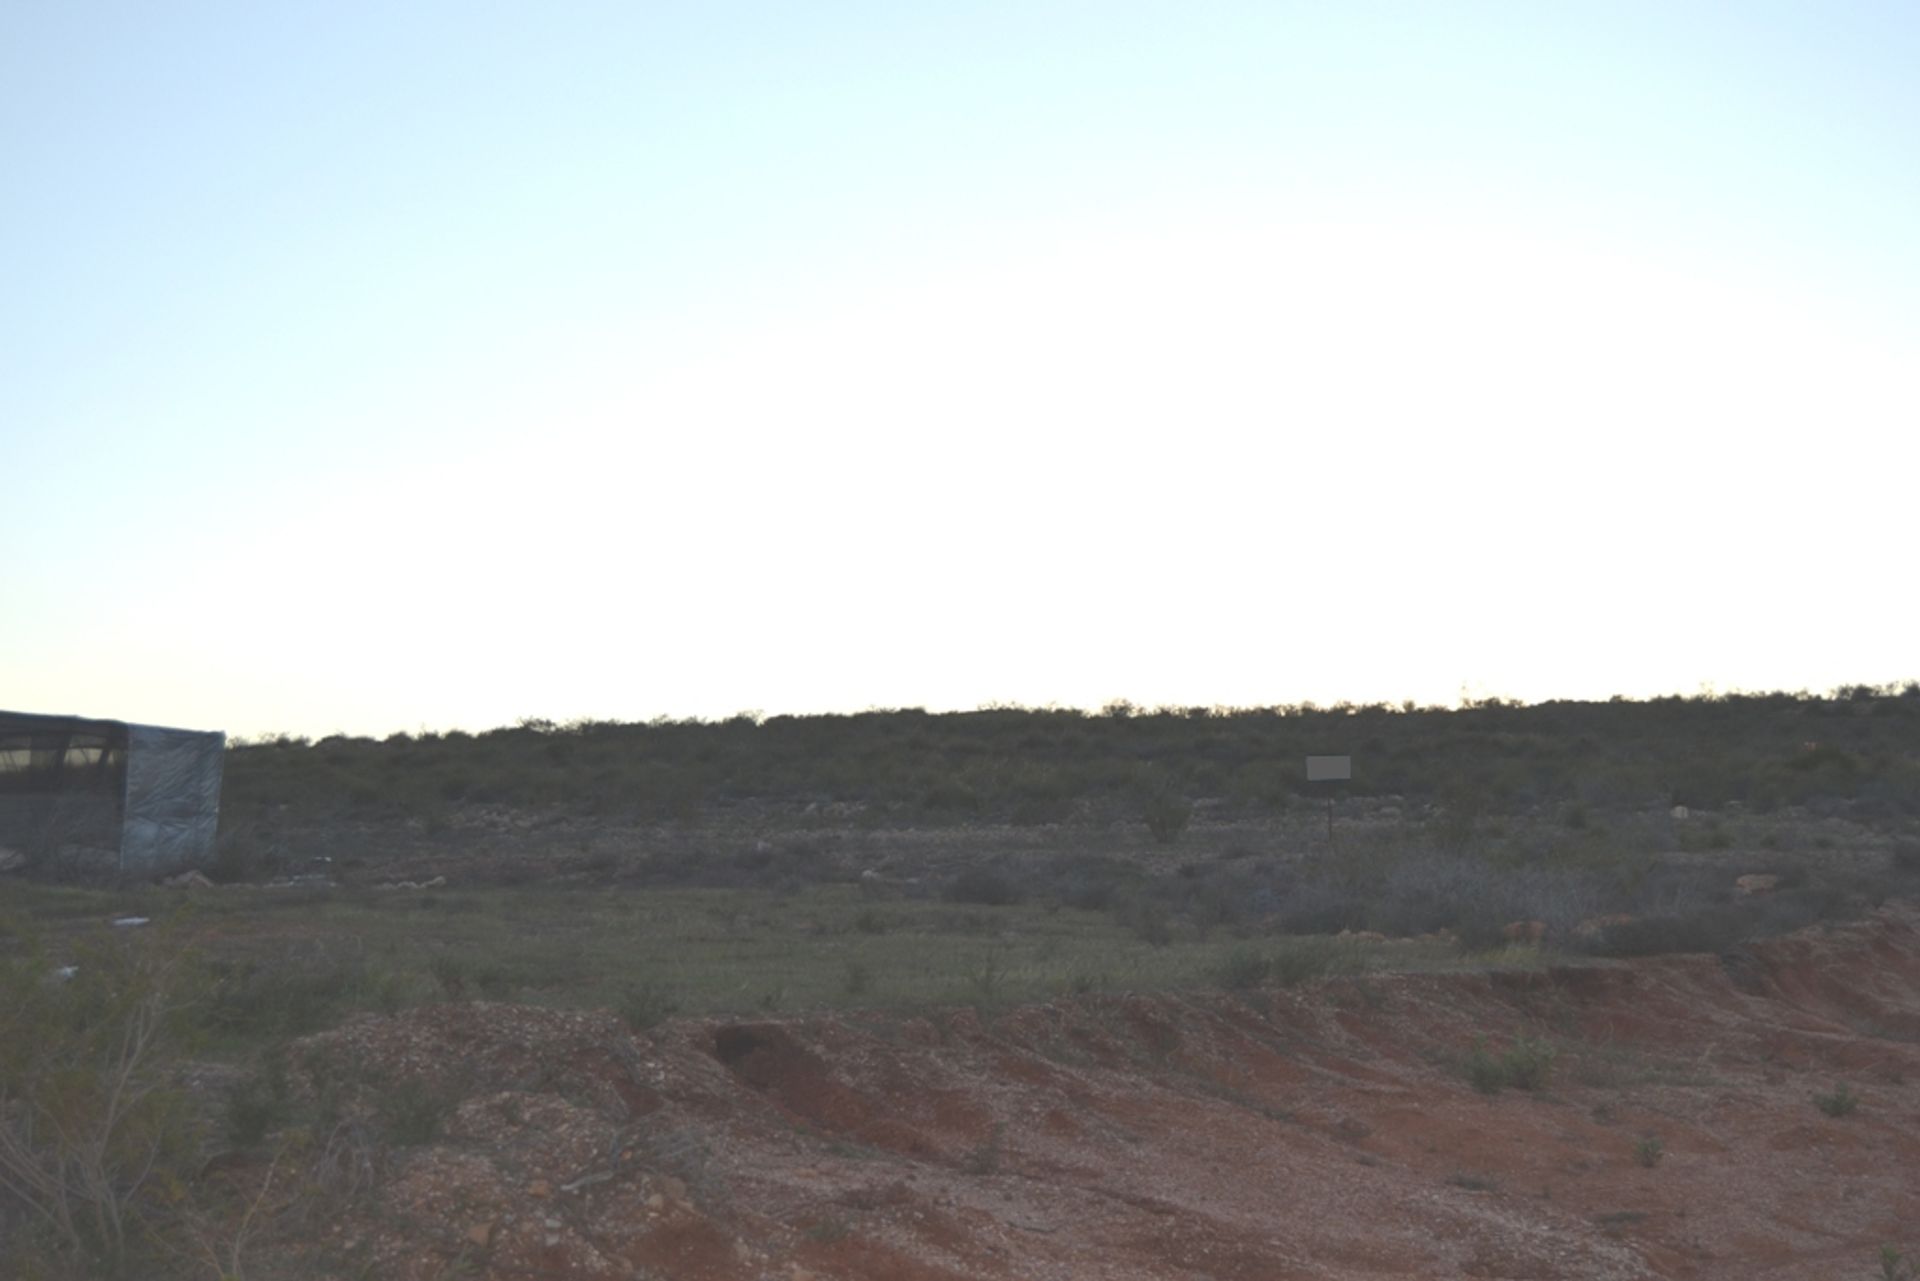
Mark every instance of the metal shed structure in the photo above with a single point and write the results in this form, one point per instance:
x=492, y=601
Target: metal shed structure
x=88, y=798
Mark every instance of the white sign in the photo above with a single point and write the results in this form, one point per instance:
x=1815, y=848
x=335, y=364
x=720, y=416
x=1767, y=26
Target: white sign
x=1329, y=768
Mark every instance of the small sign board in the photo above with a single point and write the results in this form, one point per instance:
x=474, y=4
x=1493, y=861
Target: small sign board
x=1329, y=768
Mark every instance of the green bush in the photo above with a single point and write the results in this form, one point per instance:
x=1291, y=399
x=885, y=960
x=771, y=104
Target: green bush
x=1708, y=929
x=1242, y=969
x=1649, y=1150
x=983, y=886
x=1283, y=964
x=259, y=1104
x=1526, y=1065
x=1711, y=835
x=412, y=1112
x=1300, y=960
x=646, y=1004
x=1906, y=857
x=1146, y=917
x=1483, y=1071
x=1480, y=927
x=1841, y=1102
x=1166, y=814
x=1094, y=884
x=292, y=994
x=450, y=974
x=987, y=979
x=858, y=977
x=1529, y=1062
x=241, y=853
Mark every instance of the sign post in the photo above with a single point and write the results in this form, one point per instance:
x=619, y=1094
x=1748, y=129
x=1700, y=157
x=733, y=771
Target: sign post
x=1329, y=769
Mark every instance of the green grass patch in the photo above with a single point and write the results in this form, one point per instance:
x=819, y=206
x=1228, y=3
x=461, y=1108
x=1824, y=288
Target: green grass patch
x=283, y=969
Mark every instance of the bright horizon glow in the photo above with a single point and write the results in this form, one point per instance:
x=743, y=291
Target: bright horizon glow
x=375, y=371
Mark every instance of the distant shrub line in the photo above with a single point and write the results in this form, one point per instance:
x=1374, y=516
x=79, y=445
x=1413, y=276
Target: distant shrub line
x=1044, y=765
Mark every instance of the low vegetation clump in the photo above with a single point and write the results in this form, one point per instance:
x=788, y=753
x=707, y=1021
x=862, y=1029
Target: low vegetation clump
x=1166, y=813
x=1473, y=1182
x=1648, y=1151
x=411, y=1112
x=1242, y=969
x=984, y=886
x=301, y=989
x=1525, y=1064
x=1841, y=1101
x=1284, y=963
x=1906, y=857
x=1704, y=928
x=828, y=1230
x=1484, y=1071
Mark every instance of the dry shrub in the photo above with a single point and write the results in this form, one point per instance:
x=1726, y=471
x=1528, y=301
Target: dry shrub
x=96, y=1137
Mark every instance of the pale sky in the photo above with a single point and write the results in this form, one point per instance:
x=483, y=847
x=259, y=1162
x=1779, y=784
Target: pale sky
x=366, y=367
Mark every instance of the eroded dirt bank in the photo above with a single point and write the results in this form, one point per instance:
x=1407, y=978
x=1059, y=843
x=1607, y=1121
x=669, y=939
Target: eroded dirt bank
x=1325, y=1131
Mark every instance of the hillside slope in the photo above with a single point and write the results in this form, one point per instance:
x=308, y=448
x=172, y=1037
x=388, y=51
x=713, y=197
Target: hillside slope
x=1327, y=1131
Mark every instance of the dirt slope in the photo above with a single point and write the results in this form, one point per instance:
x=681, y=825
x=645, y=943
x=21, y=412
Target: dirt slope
x=1319, y=1132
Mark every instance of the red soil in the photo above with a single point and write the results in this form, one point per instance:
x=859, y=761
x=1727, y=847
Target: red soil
x=1321, y=1132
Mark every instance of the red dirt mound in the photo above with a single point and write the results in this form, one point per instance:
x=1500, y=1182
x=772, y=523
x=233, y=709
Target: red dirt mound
x=1326, y=1132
